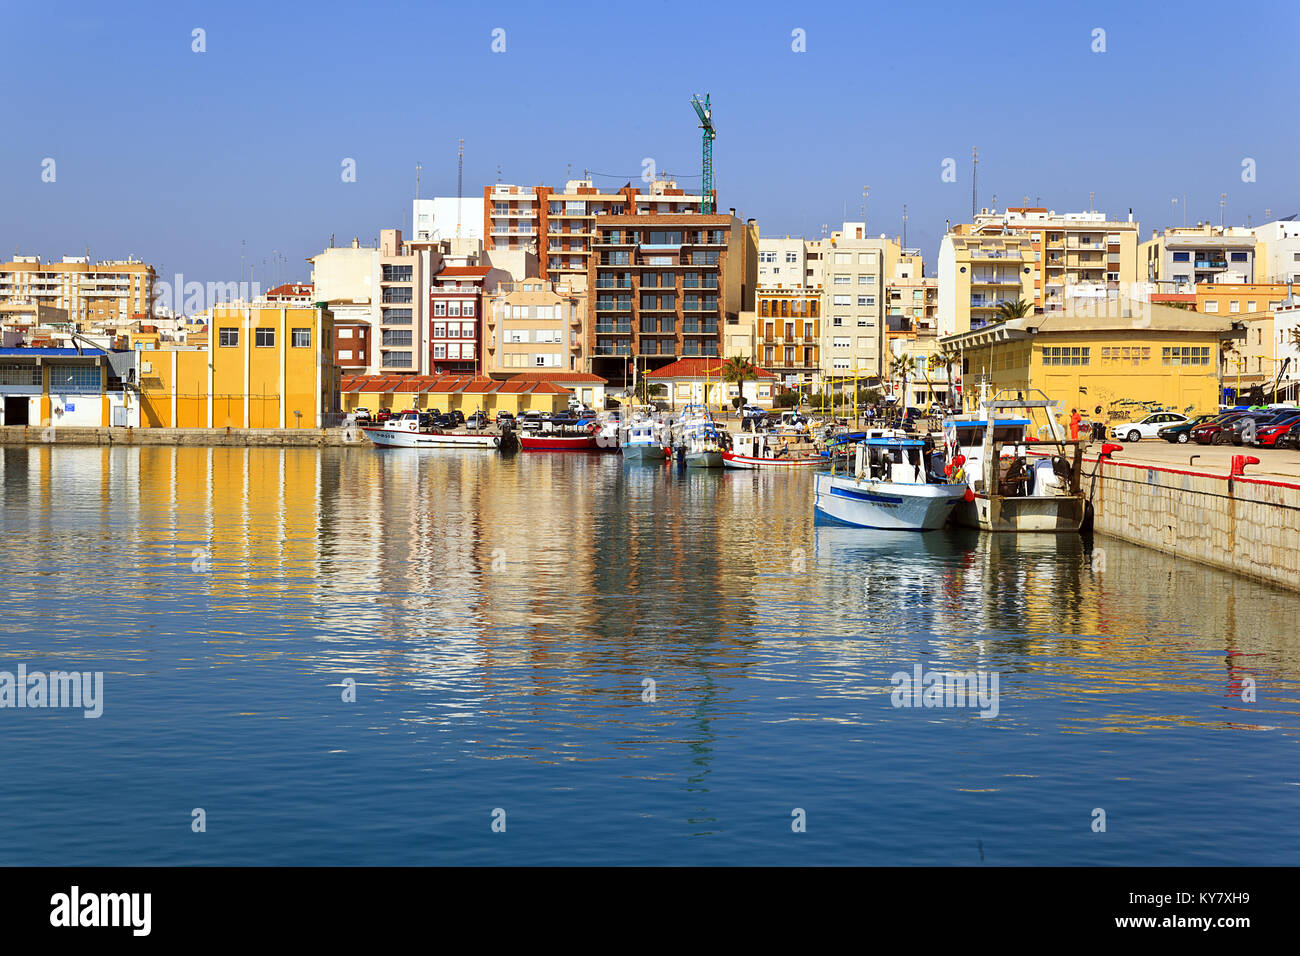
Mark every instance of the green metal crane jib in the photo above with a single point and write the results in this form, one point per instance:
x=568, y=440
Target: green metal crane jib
x=704, y=111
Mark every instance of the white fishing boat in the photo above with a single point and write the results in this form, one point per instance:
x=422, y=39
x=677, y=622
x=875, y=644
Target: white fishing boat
x=888, y=488
x=1023, y=474
x=407, y=430
x=699, y=441
x=645, y=441
x=758, y=450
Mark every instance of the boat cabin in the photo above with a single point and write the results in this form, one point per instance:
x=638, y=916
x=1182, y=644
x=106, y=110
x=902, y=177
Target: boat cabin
x=898, y=460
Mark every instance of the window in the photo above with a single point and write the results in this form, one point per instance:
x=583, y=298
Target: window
x=440, y=351
x=1239, y=257
x=843, y=279
x=397, y=359
x=396, y=317
x=300, y=338
x=228, y=338
x=440, y=308
x=440, y=330
x=264, y=338
x=842, y=300
x=767, y=257
x=843, y=258
x=398, y=337
x=1252, y=305
x=1185, y=355
x=1234, y=305
x=866, y=278
x=1182, y=257
x=792, y=257
x=1066, y=355
x=867, y=258
x=467, y=308
x=1211, y=306
x=837, y=321
x=841, y=341
x=29, y=375
x=453, y=308
x=866, y=300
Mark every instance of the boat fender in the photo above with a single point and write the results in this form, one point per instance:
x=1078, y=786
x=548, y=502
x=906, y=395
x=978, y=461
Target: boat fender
x=496, y=442
x=969, y=496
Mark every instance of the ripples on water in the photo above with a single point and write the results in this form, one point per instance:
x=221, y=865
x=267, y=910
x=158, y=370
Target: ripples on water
x=499, y=617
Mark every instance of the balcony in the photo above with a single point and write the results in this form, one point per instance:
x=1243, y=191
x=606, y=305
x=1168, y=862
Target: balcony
x=613, y=328
x=1211, y=263
x=620, y=349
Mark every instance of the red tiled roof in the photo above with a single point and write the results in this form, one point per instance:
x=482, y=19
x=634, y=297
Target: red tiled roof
x=582, y=378
x=549, y=388
x=699, y=368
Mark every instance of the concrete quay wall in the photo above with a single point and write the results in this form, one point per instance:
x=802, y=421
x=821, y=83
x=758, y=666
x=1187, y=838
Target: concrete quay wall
x=1242, y=524
x=230, y=437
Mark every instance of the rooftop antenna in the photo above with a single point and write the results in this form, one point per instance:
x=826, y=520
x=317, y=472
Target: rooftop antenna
x=1173, y=214
x=1090, y=197
x=974, y=180
x=460, y=179
x=417, y=181
x=498, y=172
x=1223, y=198
x=905, y=225
x=865, y=190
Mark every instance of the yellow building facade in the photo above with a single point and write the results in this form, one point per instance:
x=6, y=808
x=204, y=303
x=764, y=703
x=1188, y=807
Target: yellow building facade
x=1130, y=353
x=262, y=367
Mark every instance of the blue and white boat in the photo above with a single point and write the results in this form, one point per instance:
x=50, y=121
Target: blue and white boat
x=889, y=487
x=645, y=441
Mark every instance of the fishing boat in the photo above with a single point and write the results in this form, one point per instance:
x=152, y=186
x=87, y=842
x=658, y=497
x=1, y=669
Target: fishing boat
x=698, y=440
x=1023, y=473
x=566, y=439
x=889, y=487
x=645, y=441
x=410, y=430
x=758, y=450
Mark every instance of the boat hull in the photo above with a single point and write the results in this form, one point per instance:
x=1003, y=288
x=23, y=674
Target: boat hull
x=1050, y=513
x=644, y=453
x=704, y=459
x=558, y=442
x=748, y=462
x=884, y=504
x=395, y=438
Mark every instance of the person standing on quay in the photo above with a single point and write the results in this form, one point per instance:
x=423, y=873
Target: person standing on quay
x=1074, y=424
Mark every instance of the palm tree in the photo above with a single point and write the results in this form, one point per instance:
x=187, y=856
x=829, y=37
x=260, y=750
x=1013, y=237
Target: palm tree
x=899, y=366
x=949, y=357
x=736, y=370
x=1013, y=310
x=935, y=362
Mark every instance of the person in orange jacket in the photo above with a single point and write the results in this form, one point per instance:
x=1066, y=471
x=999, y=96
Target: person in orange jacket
x=1074, y=424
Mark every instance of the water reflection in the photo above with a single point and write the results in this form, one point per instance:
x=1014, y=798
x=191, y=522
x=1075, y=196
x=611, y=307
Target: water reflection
x=509, y=609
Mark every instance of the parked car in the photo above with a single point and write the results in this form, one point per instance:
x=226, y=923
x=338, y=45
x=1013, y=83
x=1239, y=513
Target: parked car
x=530, y=421
x=382, y=416
x=458, y=415
x=476, y=421
x=1217, y=431
x=505, y=418
x=1268, y=433
x=361, y=415
x=1258, y=418
x=1289, y=438
x=1181, y=433
x=1148, y=427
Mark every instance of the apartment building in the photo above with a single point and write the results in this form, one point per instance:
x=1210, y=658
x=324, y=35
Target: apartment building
x=1079, y=255
x=457, y=298
x=447, y=218
x=1185, y=256
x=788, y=333
x=664, y=286
x=1278, y=250
x=559, y=225
x=1253, y=359
x=911, y=330
x=978, y=273
x=112, y=291
x=535, y=325
x=851, y=269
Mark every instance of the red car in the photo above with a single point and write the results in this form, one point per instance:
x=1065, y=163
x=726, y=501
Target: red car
x=1217, y=432
x=1267, y=435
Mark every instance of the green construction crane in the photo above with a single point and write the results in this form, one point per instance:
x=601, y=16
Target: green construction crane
x=705, y=112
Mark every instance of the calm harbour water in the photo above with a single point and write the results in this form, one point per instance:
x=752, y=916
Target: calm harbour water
x=499, y=617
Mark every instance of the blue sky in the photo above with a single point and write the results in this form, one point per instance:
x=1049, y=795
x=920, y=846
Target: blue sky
x=175, y=156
